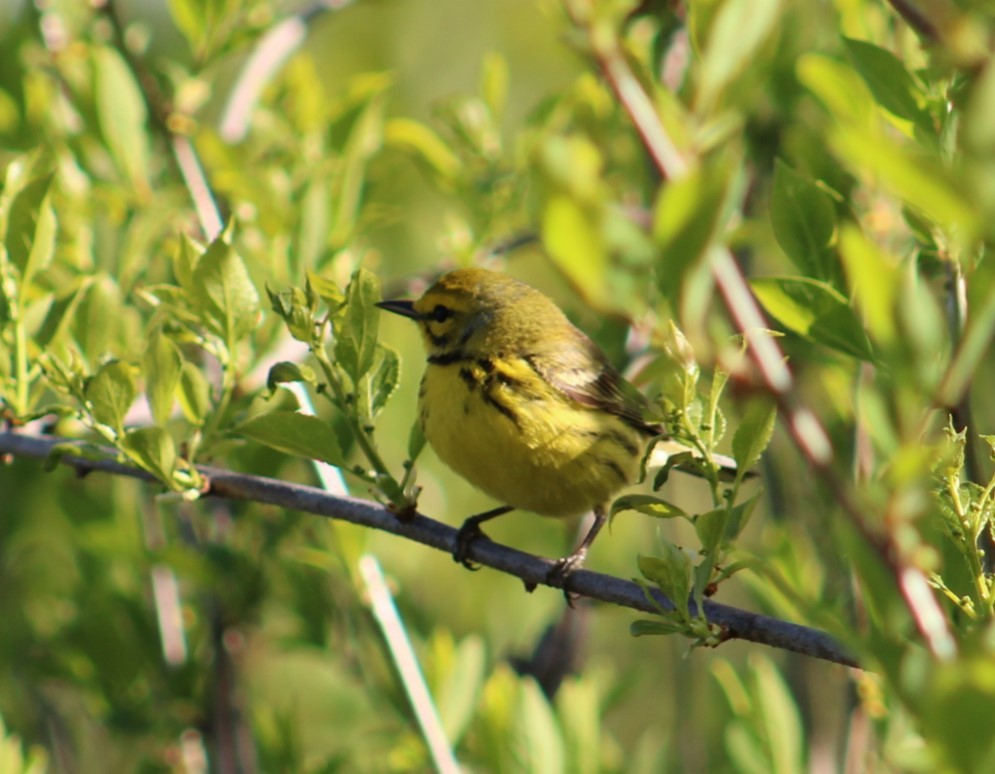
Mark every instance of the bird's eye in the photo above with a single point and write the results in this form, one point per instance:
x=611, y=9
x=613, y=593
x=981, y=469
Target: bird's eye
x=441, y=313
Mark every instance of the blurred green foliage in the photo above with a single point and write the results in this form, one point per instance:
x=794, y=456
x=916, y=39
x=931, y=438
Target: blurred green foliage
x=845, y=157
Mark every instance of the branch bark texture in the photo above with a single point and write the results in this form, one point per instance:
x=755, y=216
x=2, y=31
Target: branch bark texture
x=532, y=570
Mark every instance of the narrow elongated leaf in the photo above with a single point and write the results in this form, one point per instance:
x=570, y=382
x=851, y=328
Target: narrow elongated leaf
x=687, y=217
x=753, y=434
x=383, y=379
x=29, y=212
x=163, y=365
x=804, y=220
x=738, y=31
x=122, y=115
x=646, y=504
x=195, y=395
x=356, y=327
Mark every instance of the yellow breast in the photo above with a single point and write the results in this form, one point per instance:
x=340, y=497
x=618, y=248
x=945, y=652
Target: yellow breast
x=504, y=429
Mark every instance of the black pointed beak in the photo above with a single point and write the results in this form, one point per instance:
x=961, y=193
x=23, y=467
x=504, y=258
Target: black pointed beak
x=403, y=308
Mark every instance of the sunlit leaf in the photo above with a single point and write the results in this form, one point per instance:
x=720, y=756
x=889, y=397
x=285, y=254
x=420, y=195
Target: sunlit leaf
x=356, y=327
x=163, y=365
x=804, y=219
x=122, y=114
x=111, y=391
x=153, y=449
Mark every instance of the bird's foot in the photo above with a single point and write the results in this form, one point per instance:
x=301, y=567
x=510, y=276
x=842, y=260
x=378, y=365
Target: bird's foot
x=559, y=574
x=469, y=532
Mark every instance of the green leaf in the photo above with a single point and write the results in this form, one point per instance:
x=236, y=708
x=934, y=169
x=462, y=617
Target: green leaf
x=804, y=220
x=920, y=179
x=579, y=710
x=710, y=527
x=889, y=82
x=460, y=692
x=672, y=573
x=426, y=146
x=535, y=736
x=738, y=31
x=838, y=87
x=753, y=434
x=364, y=139
x=153, y=449
x=224, y=291
x=163, y=365
x=955, y=709
x=60, y=314
x=327, y=289
x=356, y=327
x=873, y=277
x=416, y=441
x=383, y=379
x=195, y=395
x=777, y=716
x=814, y=310
x=293, y=308
x=30, y=217
x=646, y=504
x=285, y=371
x=686, y=218
x=654, y=627
x=111, y=392
x=572, y=213
x=122, y=115
x=298, y=434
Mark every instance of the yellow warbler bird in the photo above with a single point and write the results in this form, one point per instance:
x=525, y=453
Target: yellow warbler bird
x=522, y=404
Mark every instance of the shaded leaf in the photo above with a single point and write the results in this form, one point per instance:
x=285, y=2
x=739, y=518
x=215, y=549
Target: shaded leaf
x=889, y=82
x=804, y=220
x=814, y=310
x=30, y=219
x=672, y=573
x=292, y=433
x=753, y=434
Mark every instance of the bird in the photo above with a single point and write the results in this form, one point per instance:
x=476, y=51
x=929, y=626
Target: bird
x=524, y=405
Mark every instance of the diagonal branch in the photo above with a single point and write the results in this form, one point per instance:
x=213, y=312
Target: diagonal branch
x=532, y=570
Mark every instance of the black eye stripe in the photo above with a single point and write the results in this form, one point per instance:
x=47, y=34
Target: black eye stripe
x=441, y=313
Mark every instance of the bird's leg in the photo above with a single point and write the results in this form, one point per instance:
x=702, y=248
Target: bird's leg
x=470, y=531
x=568, y=564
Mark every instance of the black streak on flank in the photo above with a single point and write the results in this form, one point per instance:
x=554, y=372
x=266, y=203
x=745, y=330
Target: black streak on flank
x=469, y=377
x=506, y=410
x=614, y=467
x=448, y=358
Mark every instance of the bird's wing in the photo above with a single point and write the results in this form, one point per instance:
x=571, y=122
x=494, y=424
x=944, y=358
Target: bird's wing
x=580, y=370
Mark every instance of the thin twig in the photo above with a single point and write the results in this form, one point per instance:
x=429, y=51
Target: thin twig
x=917, y=19
x=532, y=570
